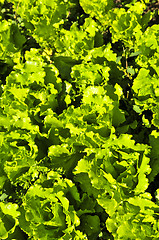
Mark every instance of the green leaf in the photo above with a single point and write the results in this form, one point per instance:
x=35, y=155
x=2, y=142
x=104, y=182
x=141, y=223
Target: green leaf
x=118, y=117
x=110, y=205
x=91, y=225
x=18, y=38
x=143, y=170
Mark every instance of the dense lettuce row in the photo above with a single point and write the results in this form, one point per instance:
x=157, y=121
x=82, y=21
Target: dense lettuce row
x=79, y=120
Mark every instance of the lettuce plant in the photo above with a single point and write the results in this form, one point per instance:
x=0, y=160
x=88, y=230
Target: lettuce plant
x=79, y=121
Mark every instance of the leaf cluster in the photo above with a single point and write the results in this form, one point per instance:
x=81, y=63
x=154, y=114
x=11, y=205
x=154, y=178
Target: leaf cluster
x=79, y=120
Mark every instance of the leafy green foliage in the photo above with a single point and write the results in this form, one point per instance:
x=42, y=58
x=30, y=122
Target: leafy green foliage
x=79, y=120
